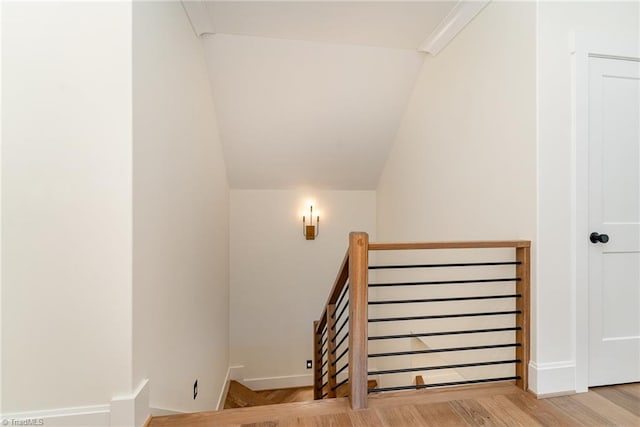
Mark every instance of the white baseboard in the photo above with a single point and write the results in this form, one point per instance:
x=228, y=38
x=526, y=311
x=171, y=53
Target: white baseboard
x=132, y=410
x=126, y=411
x=236, y=373
x=161, y=412
x=142, y=411
x=223, y=393
x=81, y=416
x=556, y=378
x=278, y=382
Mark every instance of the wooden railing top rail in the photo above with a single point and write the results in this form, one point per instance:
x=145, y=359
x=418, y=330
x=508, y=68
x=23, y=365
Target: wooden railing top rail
x=336, y=290
x=481, y=244
x=343, y=271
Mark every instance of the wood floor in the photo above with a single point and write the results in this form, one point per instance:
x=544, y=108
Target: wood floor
x=484, y=405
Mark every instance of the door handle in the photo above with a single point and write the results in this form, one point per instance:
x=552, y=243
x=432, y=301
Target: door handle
x=597, y=237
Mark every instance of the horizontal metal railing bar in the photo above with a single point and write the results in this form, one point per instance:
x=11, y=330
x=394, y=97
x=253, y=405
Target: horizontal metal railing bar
x=344, y=307
x=324, y=364
x=324, y=395
x=344, y=294
x=322, y=344
x=437, y=334
x=323, y=386
x=322, y=334
x=456, y=264
x=340, y=342
x=335, y=362
x=455, y=366
x=339, y=384
x=346, y=321
x=323, y=373
x=335, y=337
x=324, y=353
x=418, y=386
x=443, y=316
x=444, y=350
x=415, y=301
x=339, y=371
x=445, y=282
x=322, y=322
x=336, y=324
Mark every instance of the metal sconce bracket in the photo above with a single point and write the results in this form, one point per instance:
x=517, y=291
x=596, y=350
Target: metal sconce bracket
x=310, y=231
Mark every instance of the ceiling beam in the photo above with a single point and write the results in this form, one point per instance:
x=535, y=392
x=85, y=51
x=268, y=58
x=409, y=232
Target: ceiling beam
x=461, y=14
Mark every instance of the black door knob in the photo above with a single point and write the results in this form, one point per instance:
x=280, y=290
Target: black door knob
x=597, y=237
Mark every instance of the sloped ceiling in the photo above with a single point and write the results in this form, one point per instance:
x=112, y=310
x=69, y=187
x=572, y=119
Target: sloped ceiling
x=294, y=113
x=393, y=24
x=312, y=93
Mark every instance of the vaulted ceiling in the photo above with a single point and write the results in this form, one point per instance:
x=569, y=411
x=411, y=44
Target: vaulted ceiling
x=312, y=93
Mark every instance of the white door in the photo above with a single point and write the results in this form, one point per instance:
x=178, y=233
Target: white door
x=614, y=213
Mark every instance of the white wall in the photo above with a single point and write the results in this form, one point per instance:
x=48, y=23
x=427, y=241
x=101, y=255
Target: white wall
x=181, y=209
x=280, y=281
x=463, y=166
x=557, y=21
x=66, y=208
x=1, y=116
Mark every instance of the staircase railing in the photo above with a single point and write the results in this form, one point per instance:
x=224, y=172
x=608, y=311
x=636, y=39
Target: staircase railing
x=341, y=335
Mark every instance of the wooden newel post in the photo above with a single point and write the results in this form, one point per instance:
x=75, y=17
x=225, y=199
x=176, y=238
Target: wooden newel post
x=523, y=271
x=358, y=318
x=317, y=362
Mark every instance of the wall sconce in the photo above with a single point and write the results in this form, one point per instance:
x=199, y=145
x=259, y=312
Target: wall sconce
x=310, y=231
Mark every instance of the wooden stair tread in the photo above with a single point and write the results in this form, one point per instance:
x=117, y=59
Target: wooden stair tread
x=288, y=395
x=240, y=396
x=343, y=390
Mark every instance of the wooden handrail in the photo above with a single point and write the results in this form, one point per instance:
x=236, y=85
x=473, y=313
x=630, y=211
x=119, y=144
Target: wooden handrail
x=481, y=244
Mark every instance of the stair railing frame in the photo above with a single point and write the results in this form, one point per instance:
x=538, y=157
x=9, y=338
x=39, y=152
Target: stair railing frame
x=354, y=270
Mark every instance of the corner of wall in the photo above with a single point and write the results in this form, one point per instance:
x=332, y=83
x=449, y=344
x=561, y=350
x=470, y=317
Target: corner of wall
x=1, y=321
x=131, y=410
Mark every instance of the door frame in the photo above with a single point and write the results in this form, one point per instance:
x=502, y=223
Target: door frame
x=583, y=47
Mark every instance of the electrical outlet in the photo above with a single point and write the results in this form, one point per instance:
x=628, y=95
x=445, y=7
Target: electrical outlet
x=309, y=364
x=195, y=390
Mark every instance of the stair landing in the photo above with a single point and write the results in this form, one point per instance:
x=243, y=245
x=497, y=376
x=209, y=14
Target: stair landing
x=397, y=409
x=478, y=405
